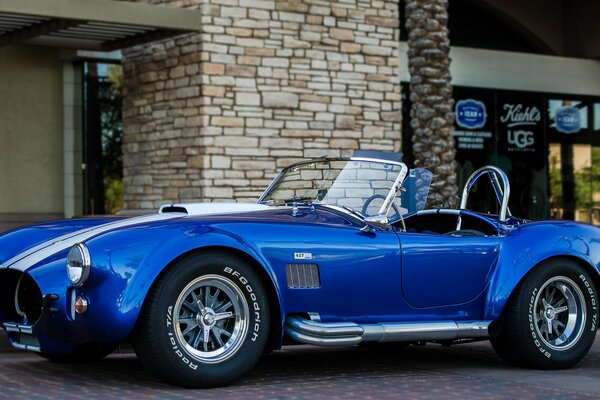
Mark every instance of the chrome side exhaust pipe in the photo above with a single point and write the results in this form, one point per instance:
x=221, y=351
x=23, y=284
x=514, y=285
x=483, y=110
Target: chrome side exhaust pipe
x=348, y=333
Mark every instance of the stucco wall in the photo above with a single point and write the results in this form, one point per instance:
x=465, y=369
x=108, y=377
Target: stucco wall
x=518, y=71
x=31, y=137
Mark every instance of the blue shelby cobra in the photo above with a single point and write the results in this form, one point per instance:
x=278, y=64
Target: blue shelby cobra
x=335, y=252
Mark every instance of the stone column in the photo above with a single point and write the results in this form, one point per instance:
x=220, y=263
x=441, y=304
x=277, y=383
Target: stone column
x=213, y=116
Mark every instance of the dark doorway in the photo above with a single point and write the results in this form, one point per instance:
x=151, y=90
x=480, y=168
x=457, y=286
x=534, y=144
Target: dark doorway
x=103, y=138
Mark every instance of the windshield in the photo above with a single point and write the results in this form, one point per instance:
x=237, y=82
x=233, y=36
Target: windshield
x=362, y=185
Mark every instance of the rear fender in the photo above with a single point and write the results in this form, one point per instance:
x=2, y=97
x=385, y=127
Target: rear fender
x=527, y=246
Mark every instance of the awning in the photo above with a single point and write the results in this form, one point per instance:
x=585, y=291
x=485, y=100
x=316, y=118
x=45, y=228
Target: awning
x=91, y=24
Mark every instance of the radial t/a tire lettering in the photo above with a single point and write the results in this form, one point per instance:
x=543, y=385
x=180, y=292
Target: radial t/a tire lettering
x=205, y=322
x=551, y=321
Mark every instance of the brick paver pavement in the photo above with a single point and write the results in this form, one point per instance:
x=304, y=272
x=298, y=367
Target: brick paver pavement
x=471, y=371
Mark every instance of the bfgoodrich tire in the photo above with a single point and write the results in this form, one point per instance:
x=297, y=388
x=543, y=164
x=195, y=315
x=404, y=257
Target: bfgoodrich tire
x=551, y=321
x=205, y=323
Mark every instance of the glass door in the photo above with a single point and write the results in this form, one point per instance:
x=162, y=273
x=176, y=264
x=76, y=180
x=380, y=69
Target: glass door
x=103, y=136
x=595, y=170
x=570, y=159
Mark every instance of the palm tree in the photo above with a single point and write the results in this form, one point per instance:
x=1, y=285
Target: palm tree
x=431, y=114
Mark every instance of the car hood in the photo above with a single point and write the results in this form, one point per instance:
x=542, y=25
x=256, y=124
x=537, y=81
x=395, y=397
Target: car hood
x=19, y=240
x=23, y=248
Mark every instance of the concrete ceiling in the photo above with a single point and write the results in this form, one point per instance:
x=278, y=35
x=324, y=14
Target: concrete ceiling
x=567, y=28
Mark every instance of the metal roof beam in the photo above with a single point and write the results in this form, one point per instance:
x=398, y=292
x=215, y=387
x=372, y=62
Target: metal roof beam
x=32, y=31
x=138, y=39
x=108, y=11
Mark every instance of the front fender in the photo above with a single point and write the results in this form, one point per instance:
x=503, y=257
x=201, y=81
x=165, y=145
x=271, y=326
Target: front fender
x=125, y=264
x=528, y=245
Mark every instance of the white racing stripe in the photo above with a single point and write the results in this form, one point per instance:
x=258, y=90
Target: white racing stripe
x=29, y=258
x=42, y=251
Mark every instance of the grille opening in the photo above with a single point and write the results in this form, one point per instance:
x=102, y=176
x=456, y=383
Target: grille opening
x=19, y=294
x=8, y=285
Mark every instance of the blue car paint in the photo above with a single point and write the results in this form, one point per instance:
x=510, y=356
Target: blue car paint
x=528, y=245
x=362, y=273
x=126, y=262
x=438, y=270
x=62, y=333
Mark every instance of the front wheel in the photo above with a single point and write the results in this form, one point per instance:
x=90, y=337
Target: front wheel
x=551, y=322
x=205, y=323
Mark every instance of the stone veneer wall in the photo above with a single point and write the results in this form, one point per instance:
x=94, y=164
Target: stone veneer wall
x=214, y=116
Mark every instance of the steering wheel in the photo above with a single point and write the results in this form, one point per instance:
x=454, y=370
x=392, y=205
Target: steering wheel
x=368, y=202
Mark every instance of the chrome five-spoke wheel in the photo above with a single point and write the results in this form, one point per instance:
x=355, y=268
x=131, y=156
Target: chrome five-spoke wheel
x=211, y=318
x=560, y=313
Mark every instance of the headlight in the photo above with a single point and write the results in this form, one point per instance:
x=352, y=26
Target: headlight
x=78, y=264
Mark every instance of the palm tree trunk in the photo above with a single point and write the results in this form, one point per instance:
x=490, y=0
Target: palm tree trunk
x=432, y=116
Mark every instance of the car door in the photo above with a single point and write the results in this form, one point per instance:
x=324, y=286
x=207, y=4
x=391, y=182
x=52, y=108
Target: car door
x=359, y=272
x=441, y=270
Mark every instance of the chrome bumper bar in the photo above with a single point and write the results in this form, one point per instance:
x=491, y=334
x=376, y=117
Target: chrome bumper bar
x=18, y=328
x=24, y=336
x=348, y=333
x=21, y=337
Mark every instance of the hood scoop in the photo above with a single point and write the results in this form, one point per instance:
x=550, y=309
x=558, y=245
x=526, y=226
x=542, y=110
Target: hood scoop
x=196, y=209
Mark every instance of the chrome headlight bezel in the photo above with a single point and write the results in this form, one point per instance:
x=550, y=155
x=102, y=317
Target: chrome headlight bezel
x=79, y=264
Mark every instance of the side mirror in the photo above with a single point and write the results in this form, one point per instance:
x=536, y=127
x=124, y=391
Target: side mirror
x=380, y=221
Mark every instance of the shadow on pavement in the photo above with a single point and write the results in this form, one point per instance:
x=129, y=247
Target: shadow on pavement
x=467, y=371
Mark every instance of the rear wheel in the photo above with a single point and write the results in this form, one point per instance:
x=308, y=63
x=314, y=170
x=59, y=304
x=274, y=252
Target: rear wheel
x=205, y=323
x=551, y=322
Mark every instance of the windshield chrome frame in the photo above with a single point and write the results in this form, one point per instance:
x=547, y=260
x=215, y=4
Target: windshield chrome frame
x=389, y=200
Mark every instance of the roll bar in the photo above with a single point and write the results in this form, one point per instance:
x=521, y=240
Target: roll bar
x=502, y=191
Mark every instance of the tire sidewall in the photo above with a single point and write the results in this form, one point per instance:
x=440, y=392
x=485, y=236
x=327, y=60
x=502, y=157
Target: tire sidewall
x=248, y=283
x=568, y=357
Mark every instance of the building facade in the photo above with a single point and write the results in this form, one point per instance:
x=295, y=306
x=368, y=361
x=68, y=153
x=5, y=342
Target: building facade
x=534, y=89
x=213, y=111
x=214, y=116
x=44, y=106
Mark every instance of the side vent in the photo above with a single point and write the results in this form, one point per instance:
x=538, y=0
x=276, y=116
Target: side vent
x=302, y=276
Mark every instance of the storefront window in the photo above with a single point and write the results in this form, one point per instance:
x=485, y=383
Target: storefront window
x=573, y=175
x=568, y=116
x=521, y=149
x=549, y=145
x=569, y=160
x=595, y=175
